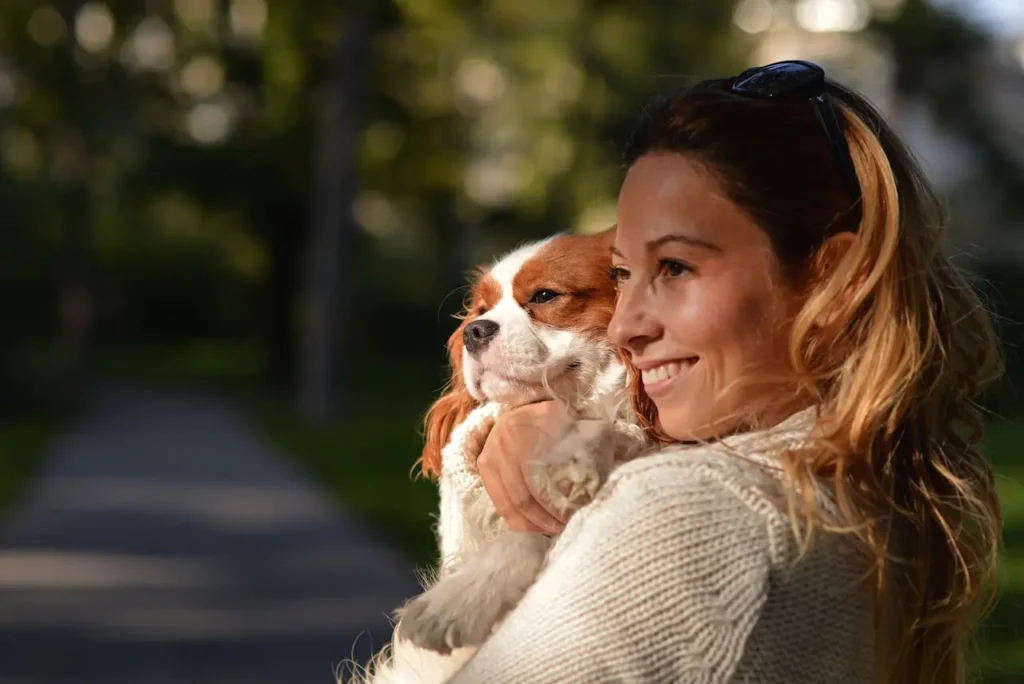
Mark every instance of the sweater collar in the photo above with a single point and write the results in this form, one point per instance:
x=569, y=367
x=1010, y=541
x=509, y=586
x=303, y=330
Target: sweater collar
x=763, y=446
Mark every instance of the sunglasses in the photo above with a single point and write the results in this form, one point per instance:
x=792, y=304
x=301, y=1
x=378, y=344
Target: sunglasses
x=799, y=79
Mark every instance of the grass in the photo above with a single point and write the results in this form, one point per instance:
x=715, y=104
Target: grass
x=23, y=445
x=39, y=395
x=1003, y=633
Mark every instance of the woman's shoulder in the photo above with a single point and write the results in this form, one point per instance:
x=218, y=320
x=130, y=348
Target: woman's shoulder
x=736, y=485
x=708, y=480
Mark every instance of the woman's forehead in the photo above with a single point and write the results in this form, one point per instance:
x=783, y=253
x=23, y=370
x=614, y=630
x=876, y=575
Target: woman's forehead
x=667, y=195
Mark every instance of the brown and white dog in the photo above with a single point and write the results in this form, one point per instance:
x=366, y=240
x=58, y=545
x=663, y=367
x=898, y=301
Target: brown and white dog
x=534, y=329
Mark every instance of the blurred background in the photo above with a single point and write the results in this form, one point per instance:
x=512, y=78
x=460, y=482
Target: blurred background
x=233, y=234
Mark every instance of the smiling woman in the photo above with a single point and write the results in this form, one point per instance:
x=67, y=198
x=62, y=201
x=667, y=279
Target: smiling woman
x=698, y=303
x=819, y=510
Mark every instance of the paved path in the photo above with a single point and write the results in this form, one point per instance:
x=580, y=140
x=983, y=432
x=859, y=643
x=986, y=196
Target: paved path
x=166, y=543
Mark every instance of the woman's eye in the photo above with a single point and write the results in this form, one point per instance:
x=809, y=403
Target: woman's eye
x=543, y=296
x=618, y=274
x=673, y=268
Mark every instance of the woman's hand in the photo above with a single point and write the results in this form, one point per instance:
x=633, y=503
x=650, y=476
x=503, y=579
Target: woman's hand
x=517, y=438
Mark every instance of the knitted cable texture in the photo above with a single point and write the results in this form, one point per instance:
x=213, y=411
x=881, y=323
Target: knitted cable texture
x=686, y=569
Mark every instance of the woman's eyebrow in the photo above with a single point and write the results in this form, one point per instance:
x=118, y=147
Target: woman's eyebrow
x=686, y=239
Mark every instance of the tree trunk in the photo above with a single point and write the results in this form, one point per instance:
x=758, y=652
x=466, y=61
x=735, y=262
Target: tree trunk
x=328, y=298
x=75, y=208
x=286, y=236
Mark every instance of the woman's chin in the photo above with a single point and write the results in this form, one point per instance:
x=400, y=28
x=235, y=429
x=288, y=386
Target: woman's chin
x=693, y=423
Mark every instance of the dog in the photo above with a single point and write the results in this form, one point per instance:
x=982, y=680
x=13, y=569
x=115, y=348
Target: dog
x=534, y=328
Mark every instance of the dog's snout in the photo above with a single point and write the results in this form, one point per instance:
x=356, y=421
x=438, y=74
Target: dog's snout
x=478, y=334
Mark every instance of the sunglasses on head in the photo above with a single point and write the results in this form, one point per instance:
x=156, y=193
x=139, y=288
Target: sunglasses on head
x=799, y=79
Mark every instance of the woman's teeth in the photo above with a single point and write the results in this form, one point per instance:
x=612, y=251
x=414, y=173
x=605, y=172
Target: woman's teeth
x=661, y=373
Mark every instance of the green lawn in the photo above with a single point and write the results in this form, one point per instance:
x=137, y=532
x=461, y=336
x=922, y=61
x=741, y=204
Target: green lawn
x=23, y=444
x=1003, y=635
x=39, y=396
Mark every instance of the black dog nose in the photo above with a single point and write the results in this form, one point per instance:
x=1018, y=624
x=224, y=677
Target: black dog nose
x=478, y=333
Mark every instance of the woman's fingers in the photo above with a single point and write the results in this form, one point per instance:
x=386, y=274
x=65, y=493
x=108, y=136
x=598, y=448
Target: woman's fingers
x=507, y=488
x=526, y=503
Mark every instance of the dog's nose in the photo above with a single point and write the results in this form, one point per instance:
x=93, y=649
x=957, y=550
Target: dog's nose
x=478, y=334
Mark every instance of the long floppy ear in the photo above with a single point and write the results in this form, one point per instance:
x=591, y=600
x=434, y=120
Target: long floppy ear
x=447, y=412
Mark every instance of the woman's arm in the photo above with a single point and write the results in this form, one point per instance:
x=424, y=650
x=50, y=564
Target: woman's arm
x=662, y=580
x=483, y=473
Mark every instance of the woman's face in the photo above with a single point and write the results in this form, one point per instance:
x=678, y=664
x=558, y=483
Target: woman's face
x=701, y=303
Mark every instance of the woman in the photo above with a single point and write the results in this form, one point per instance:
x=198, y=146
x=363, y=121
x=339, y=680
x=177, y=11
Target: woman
x=810, y=359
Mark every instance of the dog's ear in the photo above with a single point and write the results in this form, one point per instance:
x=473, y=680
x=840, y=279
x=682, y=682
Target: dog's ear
x=451, y=409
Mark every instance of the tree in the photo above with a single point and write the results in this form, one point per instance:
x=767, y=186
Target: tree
x=329, y=288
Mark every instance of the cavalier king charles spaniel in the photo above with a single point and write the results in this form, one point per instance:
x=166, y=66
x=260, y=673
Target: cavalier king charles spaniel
x=535, y=328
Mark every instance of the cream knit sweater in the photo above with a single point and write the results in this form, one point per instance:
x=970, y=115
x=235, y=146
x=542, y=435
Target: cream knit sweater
x=686, y=569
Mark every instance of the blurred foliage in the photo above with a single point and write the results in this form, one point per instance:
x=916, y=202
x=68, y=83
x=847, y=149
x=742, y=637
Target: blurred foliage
x=159, y=155
x=160, y=152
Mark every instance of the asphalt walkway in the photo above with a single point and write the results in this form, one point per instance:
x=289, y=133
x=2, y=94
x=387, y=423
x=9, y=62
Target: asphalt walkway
x=167, y=543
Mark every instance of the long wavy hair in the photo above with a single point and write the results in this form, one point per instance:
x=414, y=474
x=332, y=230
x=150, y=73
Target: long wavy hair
x=892, y=344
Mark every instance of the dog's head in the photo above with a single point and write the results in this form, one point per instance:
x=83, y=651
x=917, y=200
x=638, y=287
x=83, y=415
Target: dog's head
x=534, y=327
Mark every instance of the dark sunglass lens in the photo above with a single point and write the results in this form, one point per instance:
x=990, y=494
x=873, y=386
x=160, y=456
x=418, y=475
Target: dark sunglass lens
x=777, y=79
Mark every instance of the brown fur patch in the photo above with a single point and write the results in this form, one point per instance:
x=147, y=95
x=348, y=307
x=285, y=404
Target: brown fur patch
x=575, y=266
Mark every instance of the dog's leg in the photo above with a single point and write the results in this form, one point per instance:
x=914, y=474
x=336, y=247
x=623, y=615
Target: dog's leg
x=465, y=606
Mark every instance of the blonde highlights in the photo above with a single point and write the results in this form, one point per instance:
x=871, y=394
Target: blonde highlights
x=897, y=375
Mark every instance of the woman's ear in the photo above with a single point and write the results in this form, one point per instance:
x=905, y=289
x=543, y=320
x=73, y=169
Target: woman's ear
x=447, y=412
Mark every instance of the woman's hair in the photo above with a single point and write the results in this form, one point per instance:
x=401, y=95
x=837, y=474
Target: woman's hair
x=892, y=344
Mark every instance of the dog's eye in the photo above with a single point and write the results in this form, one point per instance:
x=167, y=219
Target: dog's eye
x=543, y=296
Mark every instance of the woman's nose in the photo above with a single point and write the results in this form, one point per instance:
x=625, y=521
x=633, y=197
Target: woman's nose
x=632, y=325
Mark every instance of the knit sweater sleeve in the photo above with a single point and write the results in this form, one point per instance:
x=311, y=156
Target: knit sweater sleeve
x=460, y=482
x=661, y=580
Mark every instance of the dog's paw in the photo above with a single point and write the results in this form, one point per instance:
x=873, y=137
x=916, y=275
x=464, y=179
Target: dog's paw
x=451, y=614
x=463, y=608
x=569, y=476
